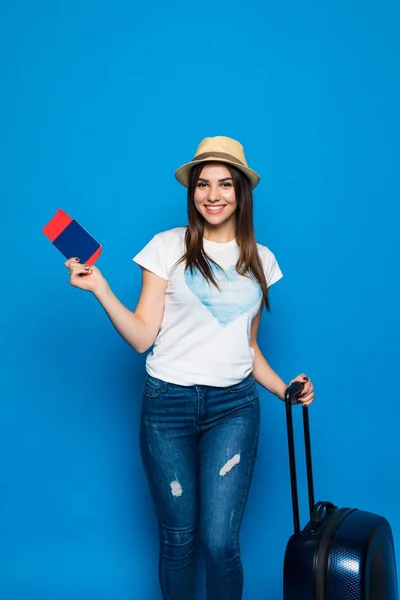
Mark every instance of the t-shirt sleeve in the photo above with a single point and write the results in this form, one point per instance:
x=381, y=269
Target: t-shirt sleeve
x=153, y=257
x=272, y=270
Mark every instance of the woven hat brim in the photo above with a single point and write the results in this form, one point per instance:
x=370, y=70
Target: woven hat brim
x=182, y=174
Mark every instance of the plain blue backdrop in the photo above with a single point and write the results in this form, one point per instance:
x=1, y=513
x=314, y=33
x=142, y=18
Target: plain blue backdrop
x=100, y=103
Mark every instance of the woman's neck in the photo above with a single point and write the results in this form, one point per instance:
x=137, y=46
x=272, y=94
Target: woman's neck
x=220, y=235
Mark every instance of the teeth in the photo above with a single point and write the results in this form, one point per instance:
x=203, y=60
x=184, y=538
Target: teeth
x=215, y=207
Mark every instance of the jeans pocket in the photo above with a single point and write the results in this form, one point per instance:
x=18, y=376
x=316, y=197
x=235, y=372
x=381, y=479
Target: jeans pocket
x=153, y=387
x=243, y=386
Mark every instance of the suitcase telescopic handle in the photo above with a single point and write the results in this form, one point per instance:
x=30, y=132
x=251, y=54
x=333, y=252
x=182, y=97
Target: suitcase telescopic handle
x=292, y=392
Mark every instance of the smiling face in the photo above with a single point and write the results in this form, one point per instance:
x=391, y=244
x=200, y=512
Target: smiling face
x=215, y=197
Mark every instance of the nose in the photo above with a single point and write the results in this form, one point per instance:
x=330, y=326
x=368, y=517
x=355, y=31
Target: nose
x=213, y=197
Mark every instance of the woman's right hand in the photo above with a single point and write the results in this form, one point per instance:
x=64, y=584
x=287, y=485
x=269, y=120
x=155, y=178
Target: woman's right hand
x=85, y=277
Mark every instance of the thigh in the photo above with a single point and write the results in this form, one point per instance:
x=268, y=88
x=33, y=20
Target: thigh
x=227, y=456
x=168, y=443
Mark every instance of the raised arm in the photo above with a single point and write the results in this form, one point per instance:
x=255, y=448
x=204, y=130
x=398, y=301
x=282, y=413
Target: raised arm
x=139, y=328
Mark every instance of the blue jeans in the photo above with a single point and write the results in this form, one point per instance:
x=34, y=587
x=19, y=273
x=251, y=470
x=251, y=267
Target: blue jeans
x=198, y=446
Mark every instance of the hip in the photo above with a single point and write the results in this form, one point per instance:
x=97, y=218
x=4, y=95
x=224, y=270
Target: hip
x=164, y=400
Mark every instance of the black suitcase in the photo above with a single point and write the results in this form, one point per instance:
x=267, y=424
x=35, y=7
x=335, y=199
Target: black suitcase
x=342, y=553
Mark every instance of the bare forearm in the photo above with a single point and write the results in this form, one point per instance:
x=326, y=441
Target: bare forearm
x=266, y=376
x=132, y=329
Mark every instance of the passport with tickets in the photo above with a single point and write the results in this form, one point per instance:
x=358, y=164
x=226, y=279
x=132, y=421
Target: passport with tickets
x=71, y=239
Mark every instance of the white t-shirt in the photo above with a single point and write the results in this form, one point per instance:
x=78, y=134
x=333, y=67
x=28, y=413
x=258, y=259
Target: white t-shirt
x=205, y=333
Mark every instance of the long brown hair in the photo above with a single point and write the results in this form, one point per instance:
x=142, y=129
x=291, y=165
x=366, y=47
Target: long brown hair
x=249, y=262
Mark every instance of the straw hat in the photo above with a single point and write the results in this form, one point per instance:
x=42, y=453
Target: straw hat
x=218, y=149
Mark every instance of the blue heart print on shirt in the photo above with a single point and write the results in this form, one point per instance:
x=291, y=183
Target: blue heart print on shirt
x=237, y=294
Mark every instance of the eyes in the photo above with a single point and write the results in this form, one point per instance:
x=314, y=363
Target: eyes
x=224, y=184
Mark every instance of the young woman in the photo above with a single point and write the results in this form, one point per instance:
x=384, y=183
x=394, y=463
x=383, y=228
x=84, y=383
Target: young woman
x=203, y=290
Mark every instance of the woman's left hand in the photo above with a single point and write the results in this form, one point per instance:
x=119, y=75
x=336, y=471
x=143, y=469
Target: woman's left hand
x=307, y=395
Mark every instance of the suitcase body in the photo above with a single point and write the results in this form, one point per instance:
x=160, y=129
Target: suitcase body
x=342, y=553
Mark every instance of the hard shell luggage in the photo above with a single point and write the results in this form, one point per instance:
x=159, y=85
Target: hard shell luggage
x=342, y=553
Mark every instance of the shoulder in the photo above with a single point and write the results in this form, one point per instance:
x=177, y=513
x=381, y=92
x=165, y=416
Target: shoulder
x=271, y=268
x=265, y=253
x=162, y=251
x=171, y=236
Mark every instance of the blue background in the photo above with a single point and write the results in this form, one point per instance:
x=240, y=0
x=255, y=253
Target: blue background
x=100, y=103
